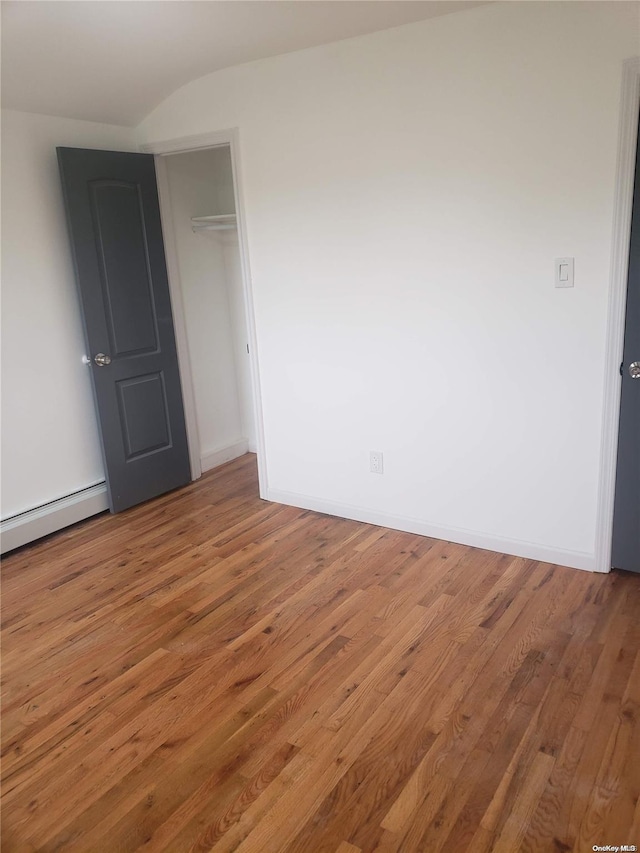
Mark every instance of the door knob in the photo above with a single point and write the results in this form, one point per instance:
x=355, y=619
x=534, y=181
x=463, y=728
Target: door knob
x=634, y=370
x=102, y=360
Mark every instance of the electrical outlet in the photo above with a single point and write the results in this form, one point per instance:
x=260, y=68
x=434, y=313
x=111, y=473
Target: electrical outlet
x=375, y=462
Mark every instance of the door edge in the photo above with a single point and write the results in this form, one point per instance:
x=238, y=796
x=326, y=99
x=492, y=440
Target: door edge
x=623, y=197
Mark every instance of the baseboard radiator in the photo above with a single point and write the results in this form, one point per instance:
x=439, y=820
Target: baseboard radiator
x=35, y=523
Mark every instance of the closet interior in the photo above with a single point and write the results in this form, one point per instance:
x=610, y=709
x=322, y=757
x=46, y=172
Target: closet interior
x=203, y=221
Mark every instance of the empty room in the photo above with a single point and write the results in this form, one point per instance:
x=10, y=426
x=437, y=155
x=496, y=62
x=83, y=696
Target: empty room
x=320, y=515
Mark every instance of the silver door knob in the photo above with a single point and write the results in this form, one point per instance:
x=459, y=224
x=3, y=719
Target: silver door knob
x=102, y=360
x=634, y=370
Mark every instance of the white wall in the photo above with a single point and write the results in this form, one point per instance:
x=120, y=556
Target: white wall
x=201, y=184
x=406, y=194
x=50, y=442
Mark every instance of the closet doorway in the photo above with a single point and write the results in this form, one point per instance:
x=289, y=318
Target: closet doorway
x=207, y=262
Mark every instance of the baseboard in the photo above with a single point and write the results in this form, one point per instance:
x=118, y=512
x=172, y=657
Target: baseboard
x=213, y=458
x=529, y=550
x=46, y=519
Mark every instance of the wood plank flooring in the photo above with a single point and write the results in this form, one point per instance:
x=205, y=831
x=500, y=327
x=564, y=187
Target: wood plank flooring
x=212, y=672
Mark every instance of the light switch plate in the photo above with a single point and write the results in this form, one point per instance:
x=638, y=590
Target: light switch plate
x=563, y=272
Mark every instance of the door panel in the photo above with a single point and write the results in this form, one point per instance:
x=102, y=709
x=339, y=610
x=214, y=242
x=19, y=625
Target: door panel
x=626, y=518
x=116, y=237
x=124, y=267
x=144, y=414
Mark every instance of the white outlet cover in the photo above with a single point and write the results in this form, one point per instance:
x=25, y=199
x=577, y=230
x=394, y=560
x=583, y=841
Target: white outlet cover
x=376, y=462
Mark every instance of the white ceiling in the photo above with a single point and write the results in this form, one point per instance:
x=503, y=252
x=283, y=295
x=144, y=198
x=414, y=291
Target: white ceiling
x=115, y=60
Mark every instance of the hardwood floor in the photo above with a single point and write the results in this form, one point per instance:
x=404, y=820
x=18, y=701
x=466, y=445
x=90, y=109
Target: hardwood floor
x=212, y=672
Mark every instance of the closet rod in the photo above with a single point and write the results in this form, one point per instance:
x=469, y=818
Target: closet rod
x=223, y=222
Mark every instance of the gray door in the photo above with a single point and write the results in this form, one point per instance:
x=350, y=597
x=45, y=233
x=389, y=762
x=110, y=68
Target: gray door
x=113, y=214
x=626, y=517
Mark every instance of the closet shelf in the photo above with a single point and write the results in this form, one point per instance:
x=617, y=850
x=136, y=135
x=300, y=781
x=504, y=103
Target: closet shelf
x=222, y=222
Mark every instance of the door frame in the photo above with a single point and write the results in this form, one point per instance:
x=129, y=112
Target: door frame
x=185, y=145
x=623, y=198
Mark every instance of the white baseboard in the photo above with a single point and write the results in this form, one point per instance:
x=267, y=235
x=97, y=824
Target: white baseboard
x=32, y=525
x=213, y=458
x=46, y=519
x=529, y=550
